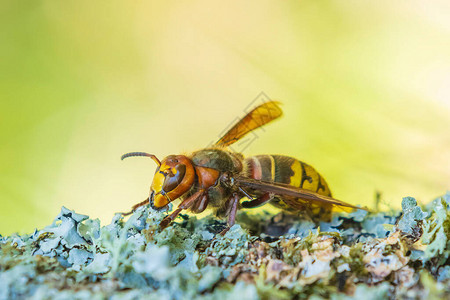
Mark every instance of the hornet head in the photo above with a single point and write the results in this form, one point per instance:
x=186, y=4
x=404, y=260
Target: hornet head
x=174, y=176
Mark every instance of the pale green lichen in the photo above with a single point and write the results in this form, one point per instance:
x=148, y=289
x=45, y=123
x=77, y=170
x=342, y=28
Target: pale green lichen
x=358, y=255
x=410, y=223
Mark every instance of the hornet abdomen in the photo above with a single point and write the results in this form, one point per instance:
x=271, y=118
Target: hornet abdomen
x=288, y=170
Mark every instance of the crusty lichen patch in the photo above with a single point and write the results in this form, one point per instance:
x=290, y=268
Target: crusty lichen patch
x=358, y=255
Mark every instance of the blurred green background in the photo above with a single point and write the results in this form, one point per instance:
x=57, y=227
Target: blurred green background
x=365, y=88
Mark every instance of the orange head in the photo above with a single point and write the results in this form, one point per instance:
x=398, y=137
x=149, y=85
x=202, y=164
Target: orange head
x=174, y=176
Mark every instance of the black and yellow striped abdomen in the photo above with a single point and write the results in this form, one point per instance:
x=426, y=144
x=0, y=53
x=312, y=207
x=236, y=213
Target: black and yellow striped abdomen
x=287, y=170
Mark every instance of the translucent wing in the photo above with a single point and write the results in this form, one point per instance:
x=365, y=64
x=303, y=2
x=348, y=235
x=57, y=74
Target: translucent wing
x=258, y=117
x=294, y=196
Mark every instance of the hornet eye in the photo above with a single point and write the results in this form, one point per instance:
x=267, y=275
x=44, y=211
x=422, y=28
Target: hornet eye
x=172, y=182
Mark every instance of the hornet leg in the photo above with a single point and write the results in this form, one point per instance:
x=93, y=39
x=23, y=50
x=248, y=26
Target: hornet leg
x=167, y=220
x=187, y=203
x=234, y=201
x=136, y=206
x=263, y=199
x=200, y=205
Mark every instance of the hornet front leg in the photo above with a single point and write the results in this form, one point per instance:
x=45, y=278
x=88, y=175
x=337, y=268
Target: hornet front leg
x=187, y=203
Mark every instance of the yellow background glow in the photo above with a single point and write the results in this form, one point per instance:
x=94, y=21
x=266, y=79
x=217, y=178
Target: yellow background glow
x=364, y=86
